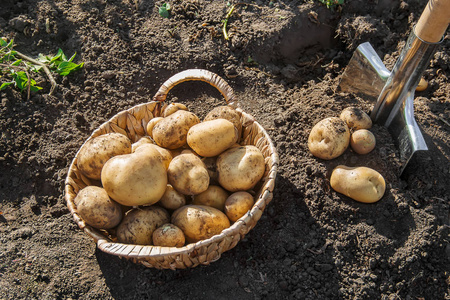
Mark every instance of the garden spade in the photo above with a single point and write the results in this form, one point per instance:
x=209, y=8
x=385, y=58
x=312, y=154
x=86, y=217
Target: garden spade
x=393, y=91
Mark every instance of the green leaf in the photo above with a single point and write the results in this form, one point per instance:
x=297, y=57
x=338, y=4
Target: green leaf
x=164, y=10
x=11, y=44
x=35, y=88
x=3, y=43
x=17, y=62
x=5, y=85
x=20, y=79
x=66, y=67
x=43, y=58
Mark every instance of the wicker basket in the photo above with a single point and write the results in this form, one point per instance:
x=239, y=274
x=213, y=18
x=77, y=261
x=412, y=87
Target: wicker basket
x=133, y=123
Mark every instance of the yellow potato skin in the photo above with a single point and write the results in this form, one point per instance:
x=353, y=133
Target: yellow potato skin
x=171, y=132
x=172, y=199
x=238, y=204
x=210, y=138
x=166, y=155
x=97, y=209
x=168, y=235
x=97, y=151
x=199, y=222
x=240, y=168
x=227, y=113
x=359, y=183
x=135, y=179
x=356, y=118
x=138, y=225
x=214, y=196
x=152, y=124
x=188, y=174
x=362, y=141
x=329, y=138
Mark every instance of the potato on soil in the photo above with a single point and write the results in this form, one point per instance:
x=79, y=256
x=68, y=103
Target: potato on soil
x=96, y=208
x=214, y=196
x=240, y=168
x=356, y=118
x=238, y=204
x=329, y=138
x=138, y=225
x=138, y=178
x=187, y=174
x=172, y=199
x=199, y=222
x=171, y=132
x=359, y=183
x=210, y=138
x=168, y=235
x=362, y=141
x=227, y=113
x=97, y=151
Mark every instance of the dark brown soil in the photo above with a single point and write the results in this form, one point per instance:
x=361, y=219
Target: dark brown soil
x=284, y=59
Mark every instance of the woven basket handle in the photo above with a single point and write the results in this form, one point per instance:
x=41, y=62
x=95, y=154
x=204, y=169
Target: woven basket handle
x=197, y=75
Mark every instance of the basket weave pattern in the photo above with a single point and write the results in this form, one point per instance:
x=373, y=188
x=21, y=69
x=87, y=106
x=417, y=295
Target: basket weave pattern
x=133, y=123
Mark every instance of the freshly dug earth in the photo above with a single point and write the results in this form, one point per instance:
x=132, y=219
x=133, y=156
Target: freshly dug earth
x=284, y=59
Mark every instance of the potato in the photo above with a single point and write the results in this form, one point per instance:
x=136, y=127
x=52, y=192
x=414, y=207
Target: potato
x=240, y=168
x=199, y=222
x=152, y=124
x=173, y=107
x=96, y=208
x=356, y=118
x=171, y=132
x=227, y=113
x=142, y=141
x=166, y=155
x=238, y=204
x=422, y=86
x=97, y=151
x=210, y=138
x=362, y=141
x=187, y=174
x=138, y=225
x=210, y=164
x=214, y=196
x=138, y=178
x=172, y=199
x=359, y=183
x=329, y=138
x=168, y=235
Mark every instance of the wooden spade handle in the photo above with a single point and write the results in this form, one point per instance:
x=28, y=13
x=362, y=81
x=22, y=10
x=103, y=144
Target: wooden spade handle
x=434, y=21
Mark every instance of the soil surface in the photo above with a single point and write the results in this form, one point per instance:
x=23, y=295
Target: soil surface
x=284, y=59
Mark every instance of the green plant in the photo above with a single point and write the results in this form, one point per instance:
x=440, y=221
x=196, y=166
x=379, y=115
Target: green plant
x=164, y=10
x=331, y=4
x=18, y=67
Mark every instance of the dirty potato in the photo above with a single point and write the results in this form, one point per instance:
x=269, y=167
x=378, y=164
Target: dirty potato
x=240, y=168
x=214, y=196
x=138, y=178
x=171, y=132
x=96, y=208
x=356, y=118
x=97, y=151
x=238, y=204
x=199, y=222
x=227, y=113
x=210, y=138
x=359, y=183
x=168, y=235
x=187, y=174
x=138, y=225
x=362, y=141
x=172, y=199
x=329, y=138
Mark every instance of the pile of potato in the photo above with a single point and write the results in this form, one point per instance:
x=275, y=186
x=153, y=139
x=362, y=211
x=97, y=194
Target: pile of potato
x=186, y=181
x=330, y=138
